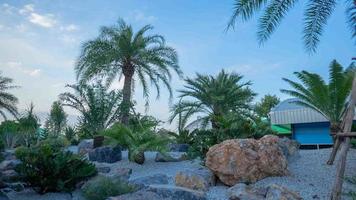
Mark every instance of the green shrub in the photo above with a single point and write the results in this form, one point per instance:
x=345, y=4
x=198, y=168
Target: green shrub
x=102, y=187
x=50, y=169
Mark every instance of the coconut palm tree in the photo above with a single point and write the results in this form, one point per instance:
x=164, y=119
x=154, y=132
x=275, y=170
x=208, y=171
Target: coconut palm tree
x=99, y=108
x=213, y=97
x=316, y=15
x=328, y=99
x=7, y=100
x=120, y=52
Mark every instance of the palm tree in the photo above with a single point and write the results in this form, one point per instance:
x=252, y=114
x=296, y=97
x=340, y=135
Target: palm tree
x=119, y=52
x=57, y=119
x=329, y=99
x=213, y=97
x=29, y=124
x=7, y=100
x=316, y=16
x=99, y=108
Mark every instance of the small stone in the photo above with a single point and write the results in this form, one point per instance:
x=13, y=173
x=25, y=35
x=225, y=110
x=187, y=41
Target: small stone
x=103, y=169
x=178, y=147
x=9, y=176
x=156, y=179
x=9, y=164
x=170, y=157
x=85, y=146
x=276, y=192
x=123, y=173
x=242, y=191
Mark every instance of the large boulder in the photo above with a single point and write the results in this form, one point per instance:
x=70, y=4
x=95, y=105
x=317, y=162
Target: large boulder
x=85, y=146
x=170, y=157
x=242, y=191
x=247, y=160
x=290, y=148
x=200, y=179
x=144, y=182
x=105, y=154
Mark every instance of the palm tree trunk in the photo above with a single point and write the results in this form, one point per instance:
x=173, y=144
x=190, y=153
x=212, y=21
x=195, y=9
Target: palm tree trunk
x=126, y=95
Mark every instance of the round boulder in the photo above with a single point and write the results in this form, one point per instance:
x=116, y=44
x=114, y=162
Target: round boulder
x=247, y=160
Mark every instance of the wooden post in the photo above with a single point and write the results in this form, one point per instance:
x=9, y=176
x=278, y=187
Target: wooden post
x=334, y=151
x=340, y=170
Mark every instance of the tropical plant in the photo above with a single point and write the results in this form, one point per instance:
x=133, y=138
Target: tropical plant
x=29, y=124
x=263, y=107
x=48, y=168
x=316, y=16
x=10, y=133
x=98, y=106
x=137, y=141
x=119, y=52
x=70, y=134
x=57, y=120
x=103, y=187
x=213, y=97
x=329, y=99
x=7, y=100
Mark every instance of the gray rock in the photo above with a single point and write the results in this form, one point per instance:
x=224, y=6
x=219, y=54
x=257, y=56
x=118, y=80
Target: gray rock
x=139, y=195
x=123, y=173
x=9, y=164
x=170, y=157
x=276, y=192
x=199, y=179
x=156, y=179
x=105, y=154
x=9, y=154
x=178, y=147
x=290, y=148
x=242, y=191
x=85, y=146
x=176, y=193
x=9, y=176
x=18, y=186
x=73, y=149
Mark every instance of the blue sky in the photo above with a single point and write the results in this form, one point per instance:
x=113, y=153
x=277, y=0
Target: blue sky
x=40, y=41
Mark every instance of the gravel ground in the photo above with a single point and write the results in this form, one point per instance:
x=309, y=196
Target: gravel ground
x=309, y=176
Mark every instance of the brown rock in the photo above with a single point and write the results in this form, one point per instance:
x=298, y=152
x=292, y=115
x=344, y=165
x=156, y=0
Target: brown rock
x=200, y=179
x=247, y=160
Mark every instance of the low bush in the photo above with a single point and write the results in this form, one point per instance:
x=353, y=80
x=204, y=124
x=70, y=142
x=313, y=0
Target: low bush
x=49, y=169
x=102, y=187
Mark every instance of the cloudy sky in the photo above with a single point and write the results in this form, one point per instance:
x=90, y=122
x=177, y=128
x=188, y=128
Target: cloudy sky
x=40, y=41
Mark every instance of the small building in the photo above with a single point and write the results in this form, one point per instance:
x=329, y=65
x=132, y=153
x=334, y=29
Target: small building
x=301, y=123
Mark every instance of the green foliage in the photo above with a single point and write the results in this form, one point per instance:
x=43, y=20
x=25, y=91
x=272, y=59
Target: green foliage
x=353, y=143
x=102, y=187
x=29, y=124
x=213, y=97
x=267, y=102
x=57, y=120
x=183, y=136
x=8, y=101
x=71, y=135
x=327, y=99
x=10, y=135
x=137, y=140
x=48, y=168
x=121, y=52
x=315, y=18
x=98, y=106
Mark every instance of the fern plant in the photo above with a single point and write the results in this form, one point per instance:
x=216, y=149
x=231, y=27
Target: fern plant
x=137, y=141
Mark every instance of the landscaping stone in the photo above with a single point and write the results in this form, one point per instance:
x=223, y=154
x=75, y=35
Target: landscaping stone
x=105, y=154
x=170, y=157
x=18, y=186
x=9, y=164
x=139, y=195
x=242, y=191
x=176, y=193
x=9, y=176
x=199, y=179
x=290, y=148
x=9, y=154
x=247, y=160
x=178, y=147
x=123, y=173
x=276, y=192
x=85, y=146
x=144, y=182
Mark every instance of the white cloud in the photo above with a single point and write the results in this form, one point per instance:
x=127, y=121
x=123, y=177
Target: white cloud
x=34, y=72
x=46, y=21
x=8, y=9
x=17, y=66
x=140, y=16
x=29, y=8
x=70, y=28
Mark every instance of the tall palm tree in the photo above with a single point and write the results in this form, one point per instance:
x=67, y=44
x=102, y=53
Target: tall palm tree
x=99, y=108
x=328, y=99
x=316, y=15
x=120, y=52
x=213, y=97
x=7, y=100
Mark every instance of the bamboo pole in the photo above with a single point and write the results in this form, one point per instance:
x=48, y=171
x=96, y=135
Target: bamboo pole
x=340, y=170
